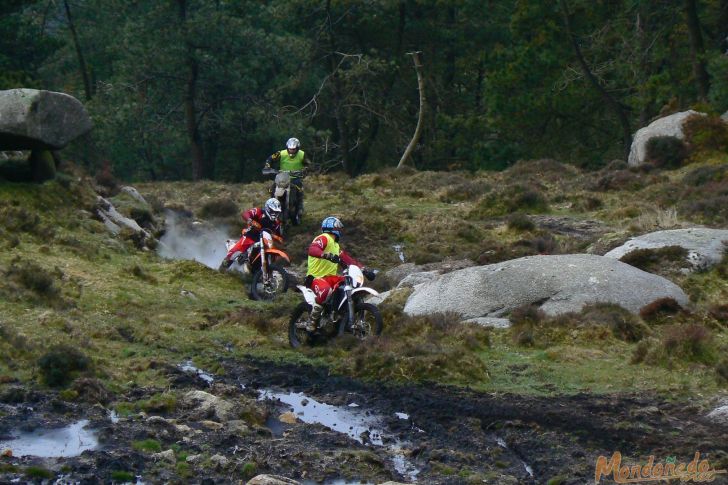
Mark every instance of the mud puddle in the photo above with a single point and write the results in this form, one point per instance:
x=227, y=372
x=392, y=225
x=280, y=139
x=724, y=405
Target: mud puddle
x=359, y=433
x=360, y=425
x=68, y=441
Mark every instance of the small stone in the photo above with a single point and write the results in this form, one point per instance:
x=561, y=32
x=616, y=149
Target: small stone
x=219, y=461
x=193, y=459
x=288, y=418
x=214, y=425
x=167, y=456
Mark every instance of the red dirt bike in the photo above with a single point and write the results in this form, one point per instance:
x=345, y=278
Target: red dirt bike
x=263, y=262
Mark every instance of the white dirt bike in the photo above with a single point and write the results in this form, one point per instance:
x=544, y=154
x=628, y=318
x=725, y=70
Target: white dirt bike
x=288, y=194
x=344, y=312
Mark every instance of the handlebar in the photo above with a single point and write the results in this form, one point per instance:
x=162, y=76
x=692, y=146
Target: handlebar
x=294, y=173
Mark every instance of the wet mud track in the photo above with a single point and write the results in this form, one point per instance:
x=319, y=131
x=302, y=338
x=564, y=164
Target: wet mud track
x=423, y=433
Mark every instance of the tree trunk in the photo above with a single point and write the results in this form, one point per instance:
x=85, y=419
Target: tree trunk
x=613, y=104
x=81, y=61
x=340, y=122
x=697, y=50
x=362, y=154
x=421, y=116
x=190, y=94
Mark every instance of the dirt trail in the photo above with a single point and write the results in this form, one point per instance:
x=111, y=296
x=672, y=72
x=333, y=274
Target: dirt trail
x=428, y=434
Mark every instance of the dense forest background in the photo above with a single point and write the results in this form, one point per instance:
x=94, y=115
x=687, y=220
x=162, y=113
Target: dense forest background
x=191, y=89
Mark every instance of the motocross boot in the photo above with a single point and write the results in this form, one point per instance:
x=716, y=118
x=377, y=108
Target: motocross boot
x=315, y=317
x=224, y=265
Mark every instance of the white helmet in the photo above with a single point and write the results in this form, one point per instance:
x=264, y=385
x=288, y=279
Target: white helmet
x=293, y=144
x=272, y=208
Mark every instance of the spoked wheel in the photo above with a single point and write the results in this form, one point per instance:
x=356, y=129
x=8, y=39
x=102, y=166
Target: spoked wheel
x=297, y=333
x=367, y=321
x=269, y=288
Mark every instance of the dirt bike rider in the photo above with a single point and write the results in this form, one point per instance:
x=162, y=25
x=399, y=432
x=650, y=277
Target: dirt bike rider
x=290, y=159
x=256, y=219
x=324, y=257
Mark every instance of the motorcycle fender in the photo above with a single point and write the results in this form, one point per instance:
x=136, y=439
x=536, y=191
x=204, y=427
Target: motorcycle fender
x=279, y=253
x=308, y=294
x=357, y=290
x=280, y=192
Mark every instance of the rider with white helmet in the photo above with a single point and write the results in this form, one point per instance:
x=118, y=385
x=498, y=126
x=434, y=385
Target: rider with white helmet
x=292, y=159
x=256, y=219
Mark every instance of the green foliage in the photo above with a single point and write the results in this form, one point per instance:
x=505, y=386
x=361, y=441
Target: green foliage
x=39, y=473
x=122, y=476
x=158, y=403
x=61, y=364
x=248, y=470
x=666, y=151
x=706, y=133
x=147, y=445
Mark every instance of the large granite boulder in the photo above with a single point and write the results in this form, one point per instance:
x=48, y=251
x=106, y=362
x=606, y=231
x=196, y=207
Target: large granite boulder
x=558, y=283
x=33, y=119
x=705, y=246
x=668, y=126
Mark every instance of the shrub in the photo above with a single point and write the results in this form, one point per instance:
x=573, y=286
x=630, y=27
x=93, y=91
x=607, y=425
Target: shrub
x=20, y=219
x=148, y=445
x=660, y=308
x=721, y=370
x=624, y=325
x=619, y=180
x=524, y=320
x=692, y=343
x=122, y=476
x=654, y=260
x=105, y=178
x=520, y=222
x=466, y=191
x=719, y=312
x=219, y=208
x=588, y=204
x=706, y=174
x=666, y=151
x=706, y=133
x=530, y=200
x=142, y=216
x=61, y=364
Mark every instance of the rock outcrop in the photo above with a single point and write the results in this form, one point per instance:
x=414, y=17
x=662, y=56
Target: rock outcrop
x=705, y=246
x=39, y=121
x=558, y=284
x=33, y=119
x=410, y=274
x=668, y=126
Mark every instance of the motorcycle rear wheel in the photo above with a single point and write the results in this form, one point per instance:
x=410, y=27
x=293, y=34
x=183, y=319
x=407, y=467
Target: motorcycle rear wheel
x=298, y=336
x=276, y=285
x=367, y=322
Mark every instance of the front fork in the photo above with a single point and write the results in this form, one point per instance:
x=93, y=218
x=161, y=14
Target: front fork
x=349, y=302
x=263, y=261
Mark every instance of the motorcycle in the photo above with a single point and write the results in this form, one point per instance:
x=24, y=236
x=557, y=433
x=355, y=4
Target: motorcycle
x=289, y=195
x=269, y=277
x=344, y=312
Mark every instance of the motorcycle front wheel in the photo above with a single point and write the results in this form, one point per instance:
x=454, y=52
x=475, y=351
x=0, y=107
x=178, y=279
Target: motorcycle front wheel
x=297, y=334
x=269, y=288
x=367, y=322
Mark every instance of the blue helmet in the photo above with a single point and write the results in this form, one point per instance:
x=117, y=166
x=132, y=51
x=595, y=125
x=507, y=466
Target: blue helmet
x=333, y=225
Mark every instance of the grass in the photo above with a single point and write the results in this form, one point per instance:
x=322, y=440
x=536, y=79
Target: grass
x=127, y=310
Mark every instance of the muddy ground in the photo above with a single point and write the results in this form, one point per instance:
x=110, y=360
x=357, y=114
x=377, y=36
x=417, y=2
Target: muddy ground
x=441, y=434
